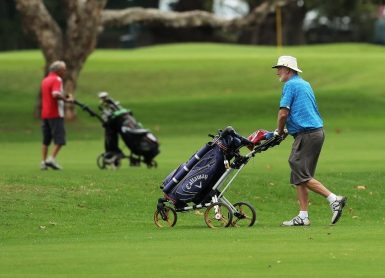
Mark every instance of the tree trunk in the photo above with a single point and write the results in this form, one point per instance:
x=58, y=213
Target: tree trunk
x=72, y=44
x=195, y=18
x=37, y=20
x=293, y=16
x=85, y=19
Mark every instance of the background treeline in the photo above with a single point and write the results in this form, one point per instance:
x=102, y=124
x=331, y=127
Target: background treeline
x=304, y=22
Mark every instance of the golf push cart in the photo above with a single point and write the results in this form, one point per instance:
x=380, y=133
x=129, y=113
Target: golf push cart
x=202, y=181
x=118, y=121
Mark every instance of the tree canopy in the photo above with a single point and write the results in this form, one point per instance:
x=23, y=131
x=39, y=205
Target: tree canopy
x=69, y=30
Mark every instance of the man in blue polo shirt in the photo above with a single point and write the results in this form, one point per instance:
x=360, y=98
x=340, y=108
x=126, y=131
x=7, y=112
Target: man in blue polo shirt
x=298, y=111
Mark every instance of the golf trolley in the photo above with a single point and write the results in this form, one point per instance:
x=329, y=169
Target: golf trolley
x=191, y=182
x=118, y=121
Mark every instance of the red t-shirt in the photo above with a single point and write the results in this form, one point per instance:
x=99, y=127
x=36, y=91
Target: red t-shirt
x=50, y=106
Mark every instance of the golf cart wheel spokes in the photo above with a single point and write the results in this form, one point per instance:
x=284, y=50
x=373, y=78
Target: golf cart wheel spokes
x=100, y=161
x=218, y=215
x=245, y=215
x=169, y=219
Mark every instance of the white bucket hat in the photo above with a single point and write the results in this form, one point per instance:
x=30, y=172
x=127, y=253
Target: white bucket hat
x=289, y=62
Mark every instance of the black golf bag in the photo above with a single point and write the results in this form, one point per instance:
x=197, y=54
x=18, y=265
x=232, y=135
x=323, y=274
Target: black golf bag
x=142, y=143
x=120, y=122
x=194, y=179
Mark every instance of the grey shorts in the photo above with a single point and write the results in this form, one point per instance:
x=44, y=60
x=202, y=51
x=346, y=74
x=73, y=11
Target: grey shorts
x=53, y=129
x=304, y=155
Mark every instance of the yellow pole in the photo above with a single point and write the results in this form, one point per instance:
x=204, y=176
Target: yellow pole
x=278, y=23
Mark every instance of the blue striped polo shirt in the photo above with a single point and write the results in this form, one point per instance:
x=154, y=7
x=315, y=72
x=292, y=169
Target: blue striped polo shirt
x=298, y=97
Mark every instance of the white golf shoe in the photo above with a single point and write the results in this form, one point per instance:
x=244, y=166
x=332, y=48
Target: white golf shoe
x=51, y=162
x=297, y=221
x=43, y=166
x=337, y=207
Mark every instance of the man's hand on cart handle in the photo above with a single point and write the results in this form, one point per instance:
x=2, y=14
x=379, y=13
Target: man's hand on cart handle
x=282, y=133
x=70, y=98
x=280, y=136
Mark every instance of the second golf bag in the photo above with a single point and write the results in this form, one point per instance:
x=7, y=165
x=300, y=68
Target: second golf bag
x=120, y=122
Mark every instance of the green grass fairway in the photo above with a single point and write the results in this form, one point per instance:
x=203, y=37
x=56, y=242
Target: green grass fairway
x=85, y=222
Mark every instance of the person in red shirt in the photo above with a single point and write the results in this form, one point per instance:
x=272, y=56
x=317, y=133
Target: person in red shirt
x=52, y=114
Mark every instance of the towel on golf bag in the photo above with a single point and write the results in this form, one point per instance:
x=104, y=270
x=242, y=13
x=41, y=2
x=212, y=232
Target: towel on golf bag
x=258, y=136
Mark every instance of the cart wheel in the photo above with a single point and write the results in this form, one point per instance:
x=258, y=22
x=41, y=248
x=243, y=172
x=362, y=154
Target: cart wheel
x=116, y=164
x=152, y=164
x=134, y=161
x=170, y=220
x=218, y=215
x=245, y=215
x=100, y=161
